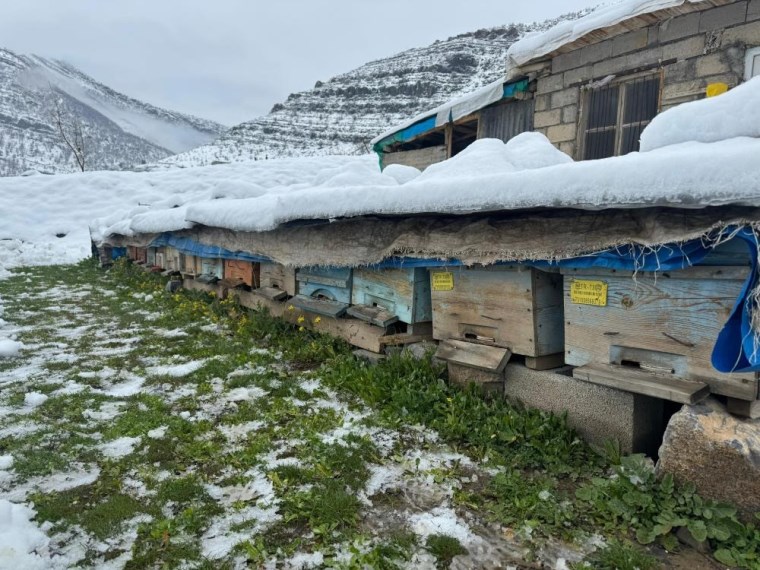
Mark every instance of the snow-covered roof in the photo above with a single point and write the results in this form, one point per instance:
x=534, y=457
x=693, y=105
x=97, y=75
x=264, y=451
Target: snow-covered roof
x=538, y=44
x=454, y=109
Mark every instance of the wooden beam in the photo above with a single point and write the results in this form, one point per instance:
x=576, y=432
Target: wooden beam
x=639, y=381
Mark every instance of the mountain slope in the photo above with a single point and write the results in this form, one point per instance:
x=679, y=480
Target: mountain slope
x=119, y=131
x=342, y=115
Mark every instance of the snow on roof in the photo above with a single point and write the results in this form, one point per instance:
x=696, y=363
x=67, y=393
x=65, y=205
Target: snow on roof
x=525, y=173
x=539, y=44
x=733, y=114
x=453, y=109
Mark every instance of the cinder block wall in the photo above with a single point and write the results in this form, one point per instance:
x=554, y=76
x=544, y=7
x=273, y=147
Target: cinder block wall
x=692, y=50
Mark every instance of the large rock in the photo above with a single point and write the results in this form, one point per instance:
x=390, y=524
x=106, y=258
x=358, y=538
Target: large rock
x=716, y=451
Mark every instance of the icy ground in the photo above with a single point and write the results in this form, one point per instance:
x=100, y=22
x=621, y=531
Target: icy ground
x=131, y=437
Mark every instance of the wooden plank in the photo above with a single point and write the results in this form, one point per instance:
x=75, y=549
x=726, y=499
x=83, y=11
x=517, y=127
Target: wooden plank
x=404, y=338
x=481, y=357
x=271, y=293
x=355, y=332
x=375, y=315
x=641, y=382
x=323, y=307
x=665, y=323
x=418, y=158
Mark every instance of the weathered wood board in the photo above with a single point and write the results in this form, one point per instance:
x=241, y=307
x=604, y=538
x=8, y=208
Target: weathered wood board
x=189, y=265
x=665, y=387
x=171, y=261
x=141, y=255
x=404, y=293
x=332, y=283
x=320, y=306
x=279, y=277
x=666, y=323
x=355, y=332
x=418, y=158
x=514, y=307
x=151, y=256
x=248, y=272
x=491, y=359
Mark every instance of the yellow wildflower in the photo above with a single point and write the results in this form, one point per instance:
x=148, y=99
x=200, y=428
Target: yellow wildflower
x=291, y=308
x=301, y=319
x=317, y=320
x=301, y=329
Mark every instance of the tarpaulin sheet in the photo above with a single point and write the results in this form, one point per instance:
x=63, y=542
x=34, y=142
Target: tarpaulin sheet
x=191, y=247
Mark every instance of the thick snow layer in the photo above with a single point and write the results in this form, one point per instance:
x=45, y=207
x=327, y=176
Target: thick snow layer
x=538, y=44
x=527, y=172
x=20, y=538
x=44, y=219
x=733, y=114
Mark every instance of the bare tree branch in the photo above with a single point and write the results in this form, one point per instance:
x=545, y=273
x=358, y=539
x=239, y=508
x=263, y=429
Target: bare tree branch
x=71, y=133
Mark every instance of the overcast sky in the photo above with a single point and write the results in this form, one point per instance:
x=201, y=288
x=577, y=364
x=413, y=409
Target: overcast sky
x=231, y=60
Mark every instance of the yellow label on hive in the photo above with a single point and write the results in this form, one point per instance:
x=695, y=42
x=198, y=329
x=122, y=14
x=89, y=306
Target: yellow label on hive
x=443, y=281
x=584, y=292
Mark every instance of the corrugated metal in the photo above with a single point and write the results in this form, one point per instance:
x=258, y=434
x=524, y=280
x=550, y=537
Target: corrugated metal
x=507, y=120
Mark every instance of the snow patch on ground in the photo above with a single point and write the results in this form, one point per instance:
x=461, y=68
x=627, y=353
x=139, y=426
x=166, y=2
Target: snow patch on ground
x=120, y=447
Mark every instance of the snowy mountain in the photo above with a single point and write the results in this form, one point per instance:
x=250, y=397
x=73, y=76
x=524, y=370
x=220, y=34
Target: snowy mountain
x=119, y=131
x=342, y=115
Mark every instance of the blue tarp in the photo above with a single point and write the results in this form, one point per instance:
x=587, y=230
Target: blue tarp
x=191, y=247
x=117, y=252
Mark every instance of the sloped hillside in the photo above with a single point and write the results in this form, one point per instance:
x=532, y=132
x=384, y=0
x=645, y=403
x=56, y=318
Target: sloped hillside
x=119, y=131
x=342, y=115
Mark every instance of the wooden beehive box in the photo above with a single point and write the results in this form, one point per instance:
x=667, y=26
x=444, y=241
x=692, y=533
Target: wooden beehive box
x=172, y=259
x=245, y=271
x=514, y=307
x=160, y=259
x=188, y=265
x=151, y=256
x=653, y=333
x=323, y=290
x=384, y=296
x=211, y=267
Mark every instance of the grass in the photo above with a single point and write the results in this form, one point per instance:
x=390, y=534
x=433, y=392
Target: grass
x=544, y=483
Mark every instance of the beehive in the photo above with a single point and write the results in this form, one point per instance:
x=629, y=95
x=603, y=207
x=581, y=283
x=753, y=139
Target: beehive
x=245, y=271
x=653, y=333
x=384, y=296
x=514, y=307
x=324, y=290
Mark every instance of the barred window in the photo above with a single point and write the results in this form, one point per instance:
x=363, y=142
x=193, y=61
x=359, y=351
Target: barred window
x=616, y=115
